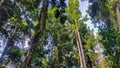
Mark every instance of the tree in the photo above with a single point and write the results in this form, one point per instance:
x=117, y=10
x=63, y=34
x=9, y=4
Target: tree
x=74, y=15
x=58, y=36
x=105, y=14
x=37, y=35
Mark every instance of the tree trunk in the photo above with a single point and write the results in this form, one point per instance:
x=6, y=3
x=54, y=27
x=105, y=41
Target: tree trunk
x=117, y=13
x=80, y=49
x=37, y=35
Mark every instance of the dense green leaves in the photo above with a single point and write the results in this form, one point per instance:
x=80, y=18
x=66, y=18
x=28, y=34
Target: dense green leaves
x=57, y=47
x=105, y=14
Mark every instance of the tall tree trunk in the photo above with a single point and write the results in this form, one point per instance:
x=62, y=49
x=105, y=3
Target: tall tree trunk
x=117, y=13
x=37, y=35
x=8, y=46
x=80, y=49
x=78, y=46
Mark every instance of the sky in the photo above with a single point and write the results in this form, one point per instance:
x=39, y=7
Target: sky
x=83, y=8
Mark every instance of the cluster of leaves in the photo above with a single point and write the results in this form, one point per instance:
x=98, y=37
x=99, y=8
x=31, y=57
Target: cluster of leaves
x=103, y=13
x=59, y=25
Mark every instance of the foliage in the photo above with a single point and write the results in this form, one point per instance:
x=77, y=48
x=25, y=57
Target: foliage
x=56, y=47
x=103, y=13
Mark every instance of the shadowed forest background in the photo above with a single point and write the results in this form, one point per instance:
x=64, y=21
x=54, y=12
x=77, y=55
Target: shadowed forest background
x=55, y=34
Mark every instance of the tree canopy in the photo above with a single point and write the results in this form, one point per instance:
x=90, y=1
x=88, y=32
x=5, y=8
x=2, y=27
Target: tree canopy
x=54, y=34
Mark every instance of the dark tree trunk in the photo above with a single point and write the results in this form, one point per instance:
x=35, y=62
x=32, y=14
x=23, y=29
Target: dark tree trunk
x=37, y=35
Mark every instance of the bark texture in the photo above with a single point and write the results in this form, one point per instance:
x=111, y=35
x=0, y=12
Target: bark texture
x=37, y=35
x=117, y=13
x=80, y=49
